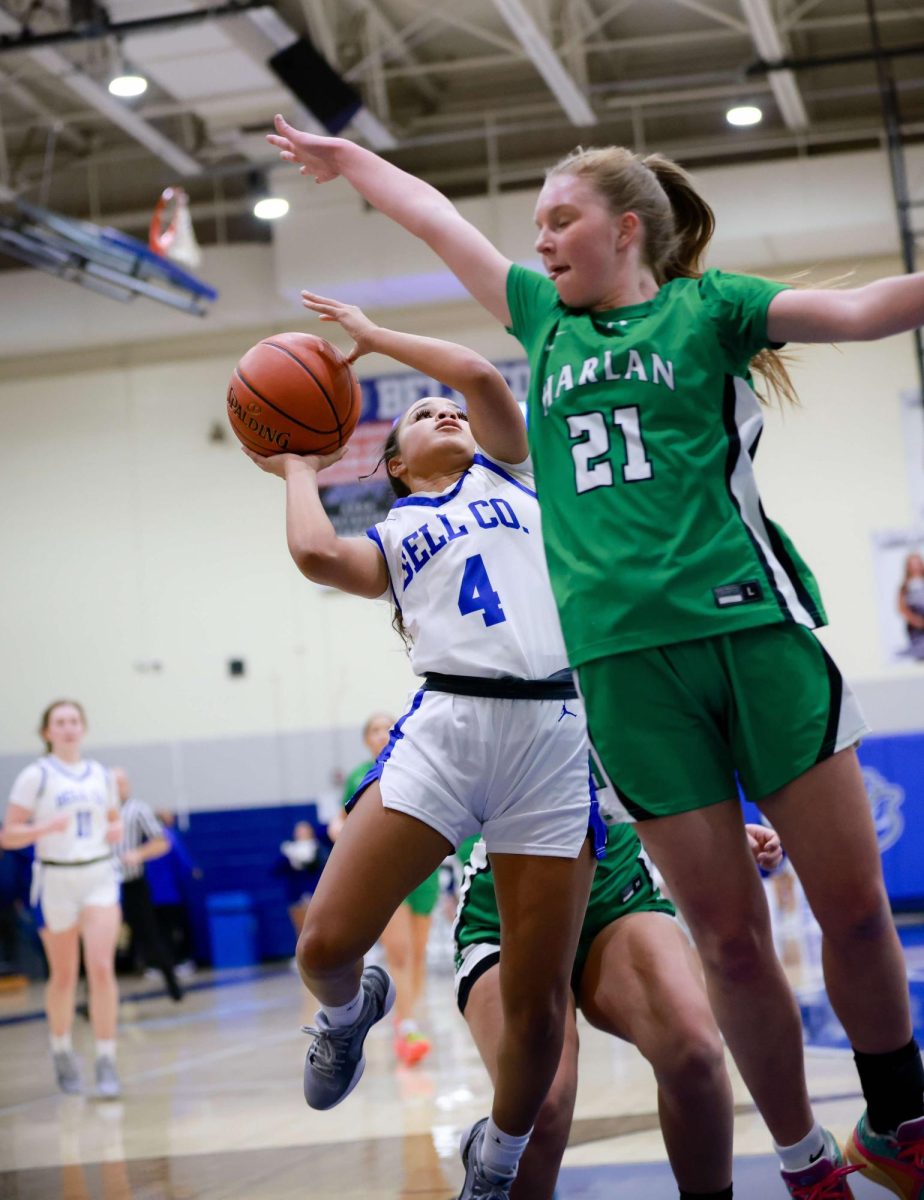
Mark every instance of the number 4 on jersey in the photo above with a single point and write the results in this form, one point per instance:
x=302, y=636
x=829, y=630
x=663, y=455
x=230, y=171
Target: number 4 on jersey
x=476, y=593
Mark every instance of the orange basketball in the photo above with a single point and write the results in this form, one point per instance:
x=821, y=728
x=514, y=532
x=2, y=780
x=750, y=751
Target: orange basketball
x=295, y=392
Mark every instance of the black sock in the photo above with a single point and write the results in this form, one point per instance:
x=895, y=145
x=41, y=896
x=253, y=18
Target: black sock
x=893, y=1086
x=725, y=1194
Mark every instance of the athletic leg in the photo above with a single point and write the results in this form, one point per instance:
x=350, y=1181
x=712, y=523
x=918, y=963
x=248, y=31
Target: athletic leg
x=539, y=1166
x=380, y=855
x=357, y=895
x=825, y=822
x=707, y=866
x=542, y=902
x=62, y=950
x=642, y=983
x=99, y=932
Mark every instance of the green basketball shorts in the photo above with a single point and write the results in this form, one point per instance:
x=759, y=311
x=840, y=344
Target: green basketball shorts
x=619, y=888
x=676, y=728
x=422, y=900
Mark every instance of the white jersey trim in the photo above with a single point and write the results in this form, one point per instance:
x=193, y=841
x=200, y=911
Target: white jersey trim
x=743, y=487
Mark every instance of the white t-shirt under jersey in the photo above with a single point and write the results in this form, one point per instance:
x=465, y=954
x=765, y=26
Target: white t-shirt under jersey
x=84, y=790
x=467, y=571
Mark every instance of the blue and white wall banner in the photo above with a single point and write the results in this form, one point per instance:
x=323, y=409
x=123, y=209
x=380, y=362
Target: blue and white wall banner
x=893, y=771
x=352, y=502
x=898, y=557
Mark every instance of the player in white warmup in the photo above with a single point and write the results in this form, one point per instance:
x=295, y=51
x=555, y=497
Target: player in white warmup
x=493, y=741
x=68, y=808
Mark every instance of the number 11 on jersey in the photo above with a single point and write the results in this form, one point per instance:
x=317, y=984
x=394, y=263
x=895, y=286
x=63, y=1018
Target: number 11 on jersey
x=476, y=593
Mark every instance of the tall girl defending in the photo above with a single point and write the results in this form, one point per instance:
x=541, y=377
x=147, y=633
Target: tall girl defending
x=686, y=612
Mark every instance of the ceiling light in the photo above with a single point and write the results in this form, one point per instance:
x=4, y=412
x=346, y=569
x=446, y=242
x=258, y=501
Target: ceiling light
x=128, y=85
x=744, y=114
x=271, y=208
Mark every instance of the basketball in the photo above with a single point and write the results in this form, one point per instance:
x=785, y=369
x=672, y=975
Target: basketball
x=293, y=392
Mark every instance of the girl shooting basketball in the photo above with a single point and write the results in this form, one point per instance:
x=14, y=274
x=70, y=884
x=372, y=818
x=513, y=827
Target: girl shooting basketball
x=494, y=741
x=686, y=612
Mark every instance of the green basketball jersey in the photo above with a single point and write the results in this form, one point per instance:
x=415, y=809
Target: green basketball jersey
x=354, y=779
x=642, y=427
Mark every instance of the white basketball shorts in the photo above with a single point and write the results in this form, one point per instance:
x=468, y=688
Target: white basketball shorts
x=62, y=892
x=515, y=770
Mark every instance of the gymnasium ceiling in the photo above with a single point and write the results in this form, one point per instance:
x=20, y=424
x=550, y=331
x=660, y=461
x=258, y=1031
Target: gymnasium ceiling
x=470, y=94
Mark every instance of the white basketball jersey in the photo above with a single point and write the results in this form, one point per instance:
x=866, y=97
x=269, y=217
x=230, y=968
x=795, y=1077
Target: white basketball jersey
x=84, y=790
x=467, y=572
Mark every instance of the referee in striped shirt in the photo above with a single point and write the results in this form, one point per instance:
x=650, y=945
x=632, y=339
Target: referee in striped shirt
x=143, y=838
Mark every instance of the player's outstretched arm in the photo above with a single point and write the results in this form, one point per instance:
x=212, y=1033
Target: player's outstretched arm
x=350, y=564
x=863, y=314
x=494, y=415
x=413, y=204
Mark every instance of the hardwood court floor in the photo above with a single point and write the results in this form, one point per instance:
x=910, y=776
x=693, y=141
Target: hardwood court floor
x=213, y=1110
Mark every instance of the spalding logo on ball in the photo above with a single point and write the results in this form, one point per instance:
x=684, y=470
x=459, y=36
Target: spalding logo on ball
x=293, y=392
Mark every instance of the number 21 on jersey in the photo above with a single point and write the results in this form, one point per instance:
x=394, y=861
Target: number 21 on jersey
x=476, y=593
x=591, y=447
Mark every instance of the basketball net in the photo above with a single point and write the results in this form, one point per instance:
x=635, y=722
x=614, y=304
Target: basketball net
x=171, y=233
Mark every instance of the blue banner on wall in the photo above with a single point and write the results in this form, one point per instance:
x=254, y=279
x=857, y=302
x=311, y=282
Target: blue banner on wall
x=356, y=494
x=893, y=770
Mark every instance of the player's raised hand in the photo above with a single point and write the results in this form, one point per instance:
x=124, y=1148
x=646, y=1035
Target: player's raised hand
x=315, y=155
x=349, y=316
x=280, y=464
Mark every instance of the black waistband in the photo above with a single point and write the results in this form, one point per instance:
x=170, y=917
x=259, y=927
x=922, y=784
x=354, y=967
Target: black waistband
x=84, y=862
x=556, y=687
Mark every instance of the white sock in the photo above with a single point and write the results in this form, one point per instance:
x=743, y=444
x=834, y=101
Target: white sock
x=406, y=1027
x=339, y=1015
x=803, y=1153
x=501, y=1152
x=62, y=1043
x=106, y=1049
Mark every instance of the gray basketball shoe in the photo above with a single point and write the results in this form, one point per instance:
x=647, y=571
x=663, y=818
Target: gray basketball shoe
x=477, y=1186
x=67, y=1072
x=335, y=1061
x=107, y=1080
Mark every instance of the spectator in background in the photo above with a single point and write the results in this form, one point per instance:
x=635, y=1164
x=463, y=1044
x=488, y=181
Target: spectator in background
x=302, y=859
x=911, y=604
x=171, y=880
x=143, y=839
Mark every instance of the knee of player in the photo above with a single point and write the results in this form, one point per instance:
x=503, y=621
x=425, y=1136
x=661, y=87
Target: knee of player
x=100, y=969
x=738, y=955
x=318, y=949
x=863, y=915
x=63, y=976
x=689, y=1059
